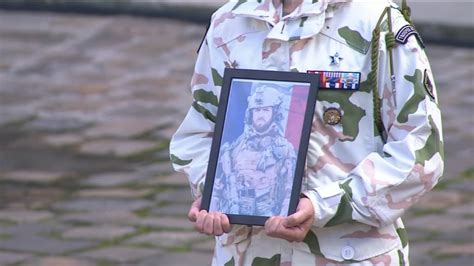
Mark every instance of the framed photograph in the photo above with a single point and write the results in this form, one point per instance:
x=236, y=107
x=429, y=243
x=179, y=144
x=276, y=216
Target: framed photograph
x=259, y=144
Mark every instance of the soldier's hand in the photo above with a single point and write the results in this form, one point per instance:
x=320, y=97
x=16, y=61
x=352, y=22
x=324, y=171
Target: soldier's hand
x=212, y=223
x=294, y=227
x=194, y=210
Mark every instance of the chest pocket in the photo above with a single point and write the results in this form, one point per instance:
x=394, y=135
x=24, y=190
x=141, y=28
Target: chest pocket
x=346, y=112
x=348, y=52
x=240, y=42
x=343, y=118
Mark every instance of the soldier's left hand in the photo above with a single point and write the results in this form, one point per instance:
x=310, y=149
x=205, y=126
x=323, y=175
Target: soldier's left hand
x=294, y=227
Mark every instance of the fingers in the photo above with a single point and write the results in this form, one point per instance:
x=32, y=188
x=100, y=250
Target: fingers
x=276, y=227
x=217, y=230
x=296, y=219
x=209, y=224
x=194, y=210
x=226, y=227
x=214, y=224
x=192, y=215
x=271, y=225
x=289, y=234
x=304, y=212
x=201, y=217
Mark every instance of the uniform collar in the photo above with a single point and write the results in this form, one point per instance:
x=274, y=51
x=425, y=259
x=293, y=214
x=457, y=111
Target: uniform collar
x=266, y=10
x=305, y=21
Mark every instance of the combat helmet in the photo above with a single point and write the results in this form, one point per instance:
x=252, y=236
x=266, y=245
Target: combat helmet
x=265, y=96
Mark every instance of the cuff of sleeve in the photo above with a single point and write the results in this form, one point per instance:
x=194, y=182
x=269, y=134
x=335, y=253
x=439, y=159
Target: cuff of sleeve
x=325, y=200
x=197, y=180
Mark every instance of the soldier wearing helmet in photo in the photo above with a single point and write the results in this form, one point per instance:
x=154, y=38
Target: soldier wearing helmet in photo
x=260, y=162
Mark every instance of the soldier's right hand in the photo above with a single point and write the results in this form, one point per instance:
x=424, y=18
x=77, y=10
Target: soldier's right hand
x=213, y=223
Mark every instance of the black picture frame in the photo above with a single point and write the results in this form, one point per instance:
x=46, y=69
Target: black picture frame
x=240, y=158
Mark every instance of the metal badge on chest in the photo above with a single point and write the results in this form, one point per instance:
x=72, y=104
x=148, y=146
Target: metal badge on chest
x=335, y=59
x=332, y=116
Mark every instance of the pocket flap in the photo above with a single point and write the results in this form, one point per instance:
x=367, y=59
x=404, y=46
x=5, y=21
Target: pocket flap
x=356, y=242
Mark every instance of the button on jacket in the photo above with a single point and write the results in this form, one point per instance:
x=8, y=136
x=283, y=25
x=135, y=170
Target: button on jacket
x=365, y=168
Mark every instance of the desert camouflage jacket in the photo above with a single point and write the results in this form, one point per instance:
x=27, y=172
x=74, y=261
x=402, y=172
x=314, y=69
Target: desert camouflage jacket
x=379, y=152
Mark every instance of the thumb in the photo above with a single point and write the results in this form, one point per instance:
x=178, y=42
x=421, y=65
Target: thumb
x=297, y=218
x=194, y=210
x=290, y=221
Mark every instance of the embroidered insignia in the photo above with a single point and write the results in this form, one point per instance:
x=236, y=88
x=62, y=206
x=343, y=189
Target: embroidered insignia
x=337, y=79
x=428, y=84
x=332, y=116
x=335, y=59
x=405, y=32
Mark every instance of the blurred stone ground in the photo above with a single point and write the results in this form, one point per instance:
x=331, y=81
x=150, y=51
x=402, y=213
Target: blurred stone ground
x=87, y=107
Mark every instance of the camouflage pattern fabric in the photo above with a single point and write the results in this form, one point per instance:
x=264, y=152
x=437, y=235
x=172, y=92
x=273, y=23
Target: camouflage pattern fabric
x=359, y=180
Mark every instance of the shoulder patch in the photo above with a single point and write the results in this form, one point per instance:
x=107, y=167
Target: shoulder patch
x=405, y=32
x=428, y=84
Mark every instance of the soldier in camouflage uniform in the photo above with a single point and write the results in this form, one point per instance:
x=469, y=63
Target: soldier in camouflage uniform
x=373, y=152
x=260, y=162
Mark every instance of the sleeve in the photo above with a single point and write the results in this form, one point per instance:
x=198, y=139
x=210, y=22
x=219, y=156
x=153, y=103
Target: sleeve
x=190, y=145
x=409, y=163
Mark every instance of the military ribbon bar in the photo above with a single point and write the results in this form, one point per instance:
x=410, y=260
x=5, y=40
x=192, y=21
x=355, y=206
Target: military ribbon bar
x=337, y=79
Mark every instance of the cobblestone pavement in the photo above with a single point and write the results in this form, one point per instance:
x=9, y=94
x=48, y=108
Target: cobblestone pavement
x=87, y=107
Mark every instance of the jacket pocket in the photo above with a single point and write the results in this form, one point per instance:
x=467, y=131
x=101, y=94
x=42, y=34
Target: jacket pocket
x=356, y=241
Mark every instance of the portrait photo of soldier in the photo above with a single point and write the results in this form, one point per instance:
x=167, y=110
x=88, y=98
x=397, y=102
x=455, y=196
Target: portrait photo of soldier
x=255, y=171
